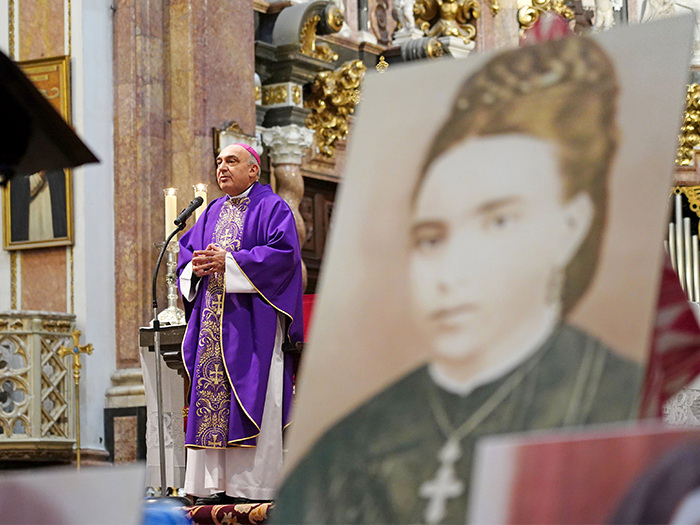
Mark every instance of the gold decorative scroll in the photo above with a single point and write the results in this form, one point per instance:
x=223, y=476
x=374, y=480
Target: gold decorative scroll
x=447, y=18
x=529, y=14
x=690, y=129
x=334, y=18
x=334, y=95
x=434, y=48
x=309, y=46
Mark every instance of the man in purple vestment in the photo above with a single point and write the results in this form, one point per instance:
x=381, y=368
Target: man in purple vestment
x=239, y=271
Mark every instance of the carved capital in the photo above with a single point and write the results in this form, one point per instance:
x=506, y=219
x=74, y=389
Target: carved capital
x=287, y=144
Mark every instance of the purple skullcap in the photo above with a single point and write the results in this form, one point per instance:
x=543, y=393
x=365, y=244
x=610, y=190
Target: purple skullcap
x=251, y=150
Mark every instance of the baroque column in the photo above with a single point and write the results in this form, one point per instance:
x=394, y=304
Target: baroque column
x=286, y=147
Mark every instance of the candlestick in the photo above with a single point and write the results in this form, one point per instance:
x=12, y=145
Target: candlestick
x=172, y=314
x=170, y=210
x=200, y=190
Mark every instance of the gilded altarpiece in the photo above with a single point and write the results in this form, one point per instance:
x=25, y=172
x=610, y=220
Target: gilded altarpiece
x=36, y=418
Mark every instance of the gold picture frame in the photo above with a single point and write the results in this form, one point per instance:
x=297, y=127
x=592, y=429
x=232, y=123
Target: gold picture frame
x=38, y=208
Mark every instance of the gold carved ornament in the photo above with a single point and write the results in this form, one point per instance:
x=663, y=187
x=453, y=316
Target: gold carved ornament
x=333, y=97
x=309, y=46
x=434, y=48
x=447, y=18
x=382, y=65
x=528, y=15
x=690, y=129
x=692, y=193
x=274, y=95
x=296, y=95
x=335, y=18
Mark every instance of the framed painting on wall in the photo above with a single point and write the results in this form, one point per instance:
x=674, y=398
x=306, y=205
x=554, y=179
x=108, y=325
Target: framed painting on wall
x=38, y=207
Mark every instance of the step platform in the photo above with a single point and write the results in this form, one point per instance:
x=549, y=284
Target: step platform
x=243, y=513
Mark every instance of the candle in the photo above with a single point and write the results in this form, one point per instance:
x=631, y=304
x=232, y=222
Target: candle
x=680, y=250
x=688, y=258
x=696, y=270
x=672, y=246
x=200, y=190
x=170, y=210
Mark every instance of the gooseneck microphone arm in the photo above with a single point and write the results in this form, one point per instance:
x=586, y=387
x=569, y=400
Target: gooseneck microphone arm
x=180, y=225
x=184, y=214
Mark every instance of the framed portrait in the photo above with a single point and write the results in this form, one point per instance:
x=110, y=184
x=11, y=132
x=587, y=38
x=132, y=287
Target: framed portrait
x=38, y=208
x=485, y=273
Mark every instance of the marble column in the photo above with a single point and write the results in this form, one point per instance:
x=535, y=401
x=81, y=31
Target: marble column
x=499, y=31
x=286, y=148
x=180, y=70
x=140, y=155
x=212, y=75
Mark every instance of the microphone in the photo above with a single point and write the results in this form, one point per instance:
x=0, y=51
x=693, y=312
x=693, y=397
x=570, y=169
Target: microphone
x=185, y=214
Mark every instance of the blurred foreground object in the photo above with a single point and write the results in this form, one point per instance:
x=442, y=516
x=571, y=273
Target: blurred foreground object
x=34, y=137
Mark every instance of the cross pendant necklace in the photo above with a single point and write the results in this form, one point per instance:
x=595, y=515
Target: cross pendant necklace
x=445, y=485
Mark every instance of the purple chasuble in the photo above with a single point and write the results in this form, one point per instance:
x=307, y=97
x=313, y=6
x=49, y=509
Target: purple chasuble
x=228, y=344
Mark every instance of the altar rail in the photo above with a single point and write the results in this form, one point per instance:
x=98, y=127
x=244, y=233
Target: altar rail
x=36, y=394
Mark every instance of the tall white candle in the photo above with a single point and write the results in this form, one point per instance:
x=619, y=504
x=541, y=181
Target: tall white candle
x=696, y=270
x=688, y=257
x=170, y=210
x=200, y=190
x=672, y=246
x=680, y=250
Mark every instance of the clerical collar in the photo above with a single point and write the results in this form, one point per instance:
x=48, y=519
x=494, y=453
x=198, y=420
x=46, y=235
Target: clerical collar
x=244, y=194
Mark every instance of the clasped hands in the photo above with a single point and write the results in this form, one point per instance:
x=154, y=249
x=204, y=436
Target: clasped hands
x=209, y=261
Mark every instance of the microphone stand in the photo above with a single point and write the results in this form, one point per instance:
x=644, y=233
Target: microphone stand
x=156, y=347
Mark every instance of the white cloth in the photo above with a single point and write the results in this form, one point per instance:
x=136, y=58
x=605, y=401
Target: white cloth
x=40, y=218
x=235, y=281
x=250, y=472
x=173, y=434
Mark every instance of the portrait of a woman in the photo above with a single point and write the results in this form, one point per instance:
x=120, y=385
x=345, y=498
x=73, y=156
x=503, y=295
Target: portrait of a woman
x=506, y=221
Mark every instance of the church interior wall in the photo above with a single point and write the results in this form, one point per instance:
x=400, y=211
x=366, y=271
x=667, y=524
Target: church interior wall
x=76, y=279
x=94, y=204
x=39, y=33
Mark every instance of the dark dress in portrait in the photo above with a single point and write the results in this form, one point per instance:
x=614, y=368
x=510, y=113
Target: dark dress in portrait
x=370, y=466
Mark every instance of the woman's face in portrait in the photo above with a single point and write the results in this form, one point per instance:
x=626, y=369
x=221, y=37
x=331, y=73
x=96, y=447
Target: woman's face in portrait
x=491, y=235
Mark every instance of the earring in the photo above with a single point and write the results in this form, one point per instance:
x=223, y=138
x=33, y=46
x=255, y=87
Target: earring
x=554, y=286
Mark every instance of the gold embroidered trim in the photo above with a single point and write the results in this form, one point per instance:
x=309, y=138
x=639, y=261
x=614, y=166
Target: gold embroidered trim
x=213, y=404
x=291, y=319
